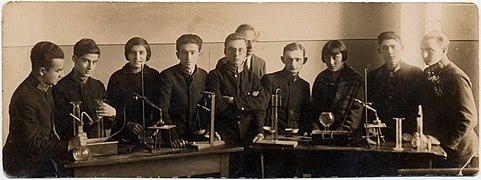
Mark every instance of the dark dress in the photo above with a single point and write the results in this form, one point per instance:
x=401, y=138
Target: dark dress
x=450, y=112
x=70, y=89
x=295, y=95
x=32, y=142
x=338, y=97
x=122, y=84
x=179, y=95
x=396, y=94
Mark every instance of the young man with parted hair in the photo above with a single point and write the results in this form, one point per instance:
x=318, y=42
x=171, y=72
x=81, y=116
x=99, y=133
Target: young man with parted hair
x=181, y=89
x=33, y=144
x=293, y=106
x=79, y=86
x=294, y=91
x=450, y=113
x=395, y=88
x=253, y=63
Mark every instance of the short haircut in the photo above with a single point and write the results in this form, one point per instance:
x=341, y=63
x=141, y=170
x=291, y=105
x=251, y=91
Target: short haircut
x=388, y=35
x=85, y=46
x=244, y=27
x=234, y=37
x=334, y=47
x=43, y=53
x=294, y=46
x=442, y=38
x=188, y=39
x=136, y=41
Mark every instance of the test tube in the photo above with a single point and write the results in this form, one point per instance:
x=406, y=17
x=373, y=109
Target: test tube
x=399, y=142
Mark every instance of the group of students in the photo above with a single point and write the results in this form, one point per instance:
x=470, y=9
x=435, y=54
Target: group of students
x=41, y=132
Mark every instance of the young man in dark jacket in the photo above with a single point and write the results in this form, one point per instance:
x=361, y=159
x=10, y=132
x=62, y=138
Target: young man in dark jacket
x=79, y=86
x=181, y=89
x=32, y=143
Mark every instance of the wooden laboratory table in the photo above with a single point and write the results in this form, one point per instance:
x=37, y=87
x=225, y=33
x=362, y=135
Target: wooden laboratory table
x=308, y=160
x=168, y=162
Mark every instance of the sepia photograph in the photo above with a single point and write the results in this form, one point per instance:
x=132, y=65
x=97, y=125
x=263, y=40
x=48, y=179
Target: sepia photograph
x=95, y=89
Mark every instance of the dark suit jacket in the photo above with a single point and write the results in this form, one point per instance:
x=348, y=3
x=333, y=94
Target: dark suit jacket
x=396, y=96
x=295, y=96
x=347, y=113
x=239, y=122
x=179, y=94
x=450, y=111
x=31, y=142
x=258, y=65
x=71, y=89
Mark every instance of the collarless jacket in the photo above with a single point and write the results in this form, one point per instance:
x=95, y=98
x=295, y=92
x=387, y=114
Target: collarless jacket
x=294, y=104
x=69, y=90
x=396, y=97
x=179, y=95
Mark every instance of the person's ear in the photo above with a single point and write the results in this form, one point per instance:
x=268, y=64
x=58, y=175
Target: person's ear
x=177, y=54
x=74, y=59
x=42, y=71
x=379, y=50
x=305, y=60
x=282, y=59
x=225, y=51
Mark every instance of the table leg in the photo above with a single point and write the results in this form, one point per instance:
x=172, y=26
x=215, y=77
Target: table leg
x=224, y=165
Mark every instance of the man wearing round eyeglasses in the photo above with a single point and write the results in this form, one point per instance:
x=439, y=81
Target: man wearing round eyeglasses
x=252, y=62
x=240, y=110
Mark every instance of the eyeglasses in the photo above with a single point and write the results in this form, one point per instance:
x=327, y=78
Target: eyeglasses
x=234, y=50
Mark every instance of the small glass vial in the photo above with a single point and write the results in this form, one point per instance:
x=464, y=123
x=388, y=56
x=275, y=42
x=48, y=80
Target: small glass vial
x=417, y=145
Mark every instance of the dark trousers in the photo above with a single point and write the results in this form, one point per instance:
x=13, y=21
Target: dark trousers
x=245, y=164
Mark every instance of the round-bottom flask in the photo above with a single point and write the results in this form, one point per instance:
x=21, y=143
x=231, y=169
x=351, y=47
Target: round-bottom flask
x=81, y=153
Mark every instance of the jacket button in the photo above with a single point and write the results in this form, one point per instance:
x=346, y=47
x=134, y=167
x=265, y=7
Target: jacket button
x=242, y=108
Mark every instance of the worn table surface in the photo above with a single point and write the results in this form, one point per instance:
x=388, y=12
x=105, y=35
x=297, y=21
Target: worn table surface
x=144, y=155
x=387, y=147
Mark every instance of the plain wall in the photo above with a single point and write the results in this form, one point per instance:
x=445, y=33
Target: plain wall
x=311, y=24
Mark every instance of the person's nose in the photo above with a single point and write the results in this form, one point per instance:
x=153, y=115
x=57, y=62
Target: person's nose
x=390, y=50
x=137, y=56
x=238, y=52
x=89, y=65
x=332, y=61
x=189, y=57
